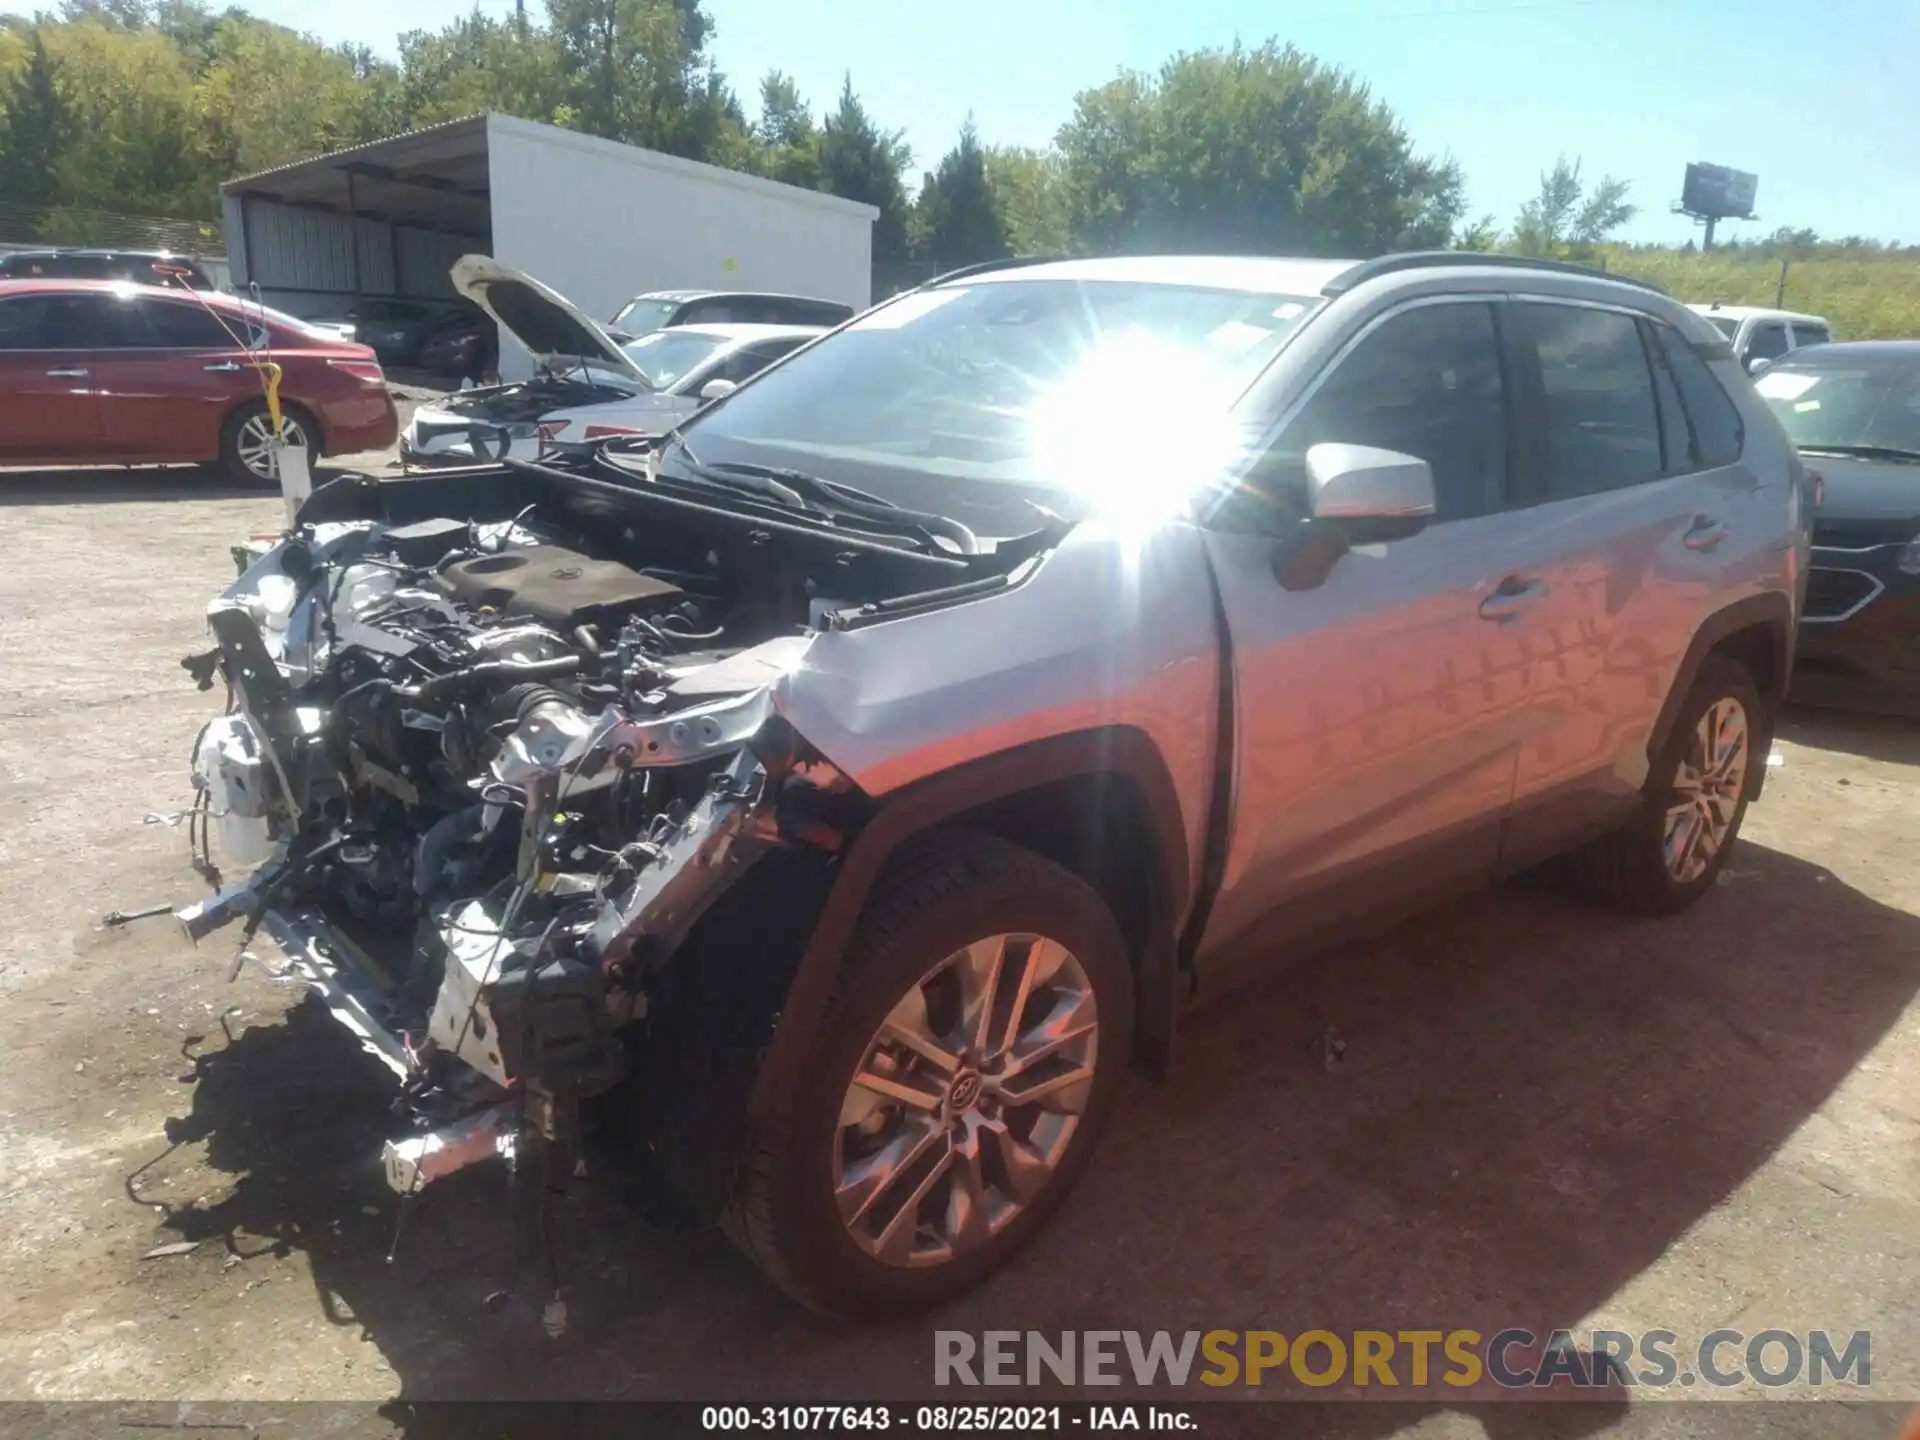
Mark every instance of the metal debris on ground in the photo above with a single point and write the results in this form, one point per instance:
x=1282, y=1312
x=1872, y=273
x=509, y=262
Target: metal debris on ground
x=178, y=1247
x=120, y=917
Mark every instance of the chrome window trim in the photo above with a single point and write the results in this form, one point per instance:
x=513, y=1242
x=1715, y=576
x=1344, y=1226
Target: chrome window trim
x=1879, y=587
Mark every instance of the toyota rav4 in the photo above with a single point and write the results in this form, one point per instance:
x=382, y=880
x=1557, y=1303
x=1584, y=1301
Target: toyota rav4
x=814, y=813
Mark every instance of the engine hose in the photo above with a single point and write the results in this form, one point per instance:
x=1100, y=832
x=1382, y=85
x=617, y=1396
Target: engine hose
x=445, y=687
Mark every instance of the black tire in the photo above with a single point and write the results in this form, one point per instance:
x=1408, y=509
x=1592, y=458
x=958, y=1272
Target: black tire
x=235, y=468
x=928, y=905
x=1628, y=868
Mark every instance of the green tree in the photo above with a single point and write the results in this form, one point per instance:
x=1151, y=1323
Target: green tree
x=789, y=139
x=270, y=96
x=477, y=63
x=635, y=70
x=1029, y=187
x=33, y=130
x=119, y=14
x=957, y=219
x=1265, y=149
x=1566, y=220
x=862, y=162
x=133, y=140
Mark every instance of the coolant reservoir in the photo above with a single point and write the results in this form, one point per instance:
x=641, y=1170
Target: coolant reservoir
x=231, y=765
x=278, y=595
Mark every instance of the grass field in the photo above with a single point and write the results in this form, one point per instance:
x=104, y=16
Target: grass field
x=1867, y=298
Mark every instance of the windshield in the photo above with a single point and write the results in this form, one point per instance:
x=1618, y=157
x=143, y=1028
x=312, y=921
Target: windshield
x=1846, y=401
x=667, y=355
x=1075, y=388
x=638, y=317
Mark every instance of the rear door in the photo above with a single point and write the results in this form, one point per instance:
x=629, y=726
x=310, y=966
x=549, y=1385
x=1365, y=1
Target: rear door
x=1635, y=513
x=168, y=376
x=47, y=408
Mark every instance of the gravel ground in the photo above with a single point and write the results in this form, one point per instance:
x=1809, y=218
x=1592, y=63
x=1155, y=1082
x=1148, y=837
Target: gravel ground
x=1544, y=1116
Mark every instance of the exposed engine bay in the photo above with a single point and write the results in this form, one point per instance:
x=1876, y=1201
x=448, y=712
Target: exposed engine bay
x=504, y=751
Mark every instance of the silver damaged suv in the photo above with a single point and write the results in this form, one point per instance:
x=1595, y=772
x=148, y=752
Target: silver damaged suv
x=809, y=817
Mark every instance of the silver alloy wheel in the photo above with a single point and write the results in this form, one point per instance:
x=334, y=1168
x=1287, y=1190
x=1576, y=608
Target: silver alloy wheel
x=1706, y=790
x=255, y=443
x=965, y=1100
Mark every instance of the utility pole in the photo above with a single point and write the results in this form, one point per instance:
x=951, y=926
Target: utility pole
x=1780, y=290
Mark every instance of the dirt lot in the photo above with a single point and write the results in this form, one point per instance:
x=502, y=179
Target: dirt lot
x=1545, y=1116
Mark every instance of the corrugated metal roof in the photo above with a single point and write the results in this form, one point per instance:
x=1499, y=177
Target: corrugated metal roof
x=448, y=129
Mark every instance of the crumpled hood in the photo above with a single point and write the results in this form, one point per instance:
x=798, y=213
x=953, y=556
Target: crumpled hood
x=555, y=331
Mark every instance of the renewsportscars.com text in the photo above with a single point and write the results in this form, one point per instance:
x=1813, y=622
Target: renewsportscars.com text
x=1513, y=1359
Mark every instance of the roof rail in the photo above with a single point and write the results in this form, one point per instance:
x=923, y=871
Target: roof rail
x=1006, y=262
x=1441, y=259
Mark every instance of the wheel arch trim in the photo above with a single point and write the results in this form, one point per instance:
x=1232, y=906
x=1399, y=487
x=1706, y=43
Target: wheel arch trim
x=926, y=804
x=1771, y=610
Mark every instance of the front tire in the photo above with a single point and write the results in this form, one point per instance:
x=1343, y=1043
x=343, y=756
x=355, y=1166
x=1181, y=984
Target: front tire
x=1695, y=799
x=246, y=454
x=970, y=1055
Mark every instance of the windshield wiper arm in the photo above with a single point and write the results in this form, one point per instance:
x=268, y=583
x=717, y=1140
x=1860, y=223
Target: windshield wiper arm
x=813, y=492
x=1863, y=452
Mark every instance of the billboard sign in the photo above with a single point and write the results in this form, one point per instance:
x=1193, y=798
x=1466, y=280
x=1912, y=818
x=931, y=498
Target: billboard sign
x=1720, y=192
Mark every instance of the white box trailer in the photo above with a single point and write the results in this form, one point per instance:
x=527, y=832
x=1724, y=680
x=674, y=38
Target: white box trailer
x=598, y=221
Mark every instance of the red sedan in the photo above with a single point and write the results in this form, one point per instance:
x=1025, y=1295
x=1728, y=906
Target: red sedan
x=100, y=372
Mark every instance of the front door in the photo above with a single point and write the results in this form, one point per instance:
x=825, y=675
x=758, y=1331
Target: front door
x=47, y=409
x=1379, y=714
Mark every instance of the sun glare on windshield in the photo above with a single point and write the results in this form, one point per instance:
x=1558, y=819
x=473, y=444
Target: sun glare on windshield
x=1088, y=436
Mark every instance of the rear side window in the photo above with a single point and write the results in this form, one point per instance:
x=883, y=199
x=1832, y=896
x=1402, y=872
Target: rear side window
x=1717, y=434
x=1600, y=423
x=816, y=312
x=183, y=327
x=1427, y=382
x=749, y=361
x=1767, y=342
x=1804, y=335
x=711, y=312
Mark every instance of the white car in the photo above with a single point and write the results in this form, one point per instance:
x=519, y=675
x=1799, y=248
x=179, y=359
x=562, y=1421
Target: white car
x=1758, y=334
x=588, y=385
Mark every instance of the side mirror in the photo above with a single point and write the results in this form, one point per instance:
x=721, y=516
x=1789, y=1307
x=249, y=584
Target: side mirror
x=1374, y=494
x=1357, y=495
x=717, y=389
x=1758, y=365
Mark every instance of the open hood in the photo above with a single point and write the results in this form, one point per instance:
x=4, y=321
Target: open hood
x=557, y=333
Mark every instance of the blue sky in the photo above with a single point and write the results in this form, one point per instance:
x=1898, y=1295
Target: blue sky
x=1822, y=101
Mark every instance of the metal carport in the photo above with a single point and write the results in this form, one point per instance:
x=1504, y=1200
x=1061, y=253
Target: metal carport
x=599, y=221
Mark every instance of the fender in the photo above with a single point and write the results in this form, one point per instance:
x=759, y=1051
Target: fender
x=919, y=807
x=1773, y=609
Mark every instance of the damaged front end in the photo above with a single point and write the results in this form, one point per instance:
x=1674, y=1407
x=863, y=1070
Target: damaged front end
x=506, y=757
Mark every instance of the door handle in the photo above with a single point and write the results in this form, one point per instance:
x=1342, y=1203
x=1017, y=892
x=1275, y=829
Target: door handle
x=1705, y=532
x=1511, y=598
x=226, y=367
x=76, y=374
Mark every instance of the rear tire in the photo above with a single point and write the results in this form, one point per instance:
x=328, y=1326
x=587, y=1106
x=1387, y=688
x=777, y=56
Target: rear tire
x=1695, y=799
x=858, y=1202
x=243, y=457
